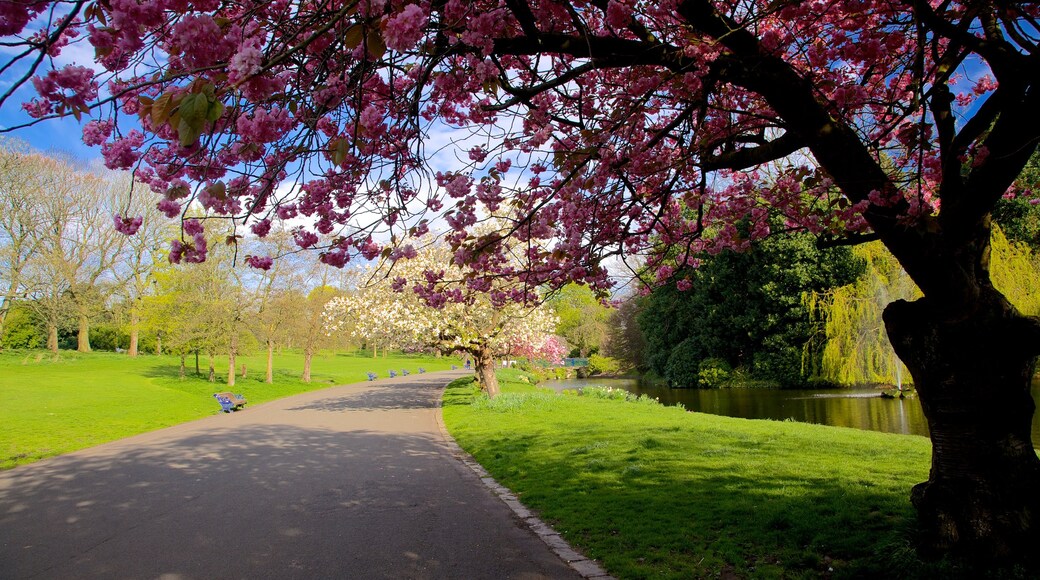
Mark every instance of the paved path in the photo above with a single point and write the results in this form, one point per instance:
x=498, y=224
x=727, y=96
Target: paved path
x=350, y=482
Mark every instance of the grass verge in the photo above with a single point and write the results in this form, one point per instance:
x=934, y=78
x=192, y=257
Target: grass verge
x=656, y=492
x=52, y=404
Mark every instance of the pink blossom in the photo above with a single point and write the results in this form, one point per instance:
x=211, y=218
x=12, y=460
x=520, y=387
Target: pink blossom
x=405, y=28
x=683, y=285
x=245, y=63
x=260, y=263
x=193, y=227
x=97, y=132
x=123, y=152
x=126, y=225
x=169, y=207
x=261, y=228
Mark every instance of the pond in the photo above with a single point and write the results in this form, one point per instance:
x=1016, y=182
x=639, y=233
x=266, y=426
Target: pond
x=858, y=408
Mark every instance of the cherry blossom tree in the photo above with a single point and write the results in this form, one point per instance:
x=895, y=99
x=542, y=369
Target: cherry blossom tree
x=425, y=302
x=598, y=129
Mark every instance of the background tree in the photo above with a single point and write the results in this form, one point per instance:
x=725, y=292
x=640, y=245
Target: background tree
x=625, y=340
x=583, y=319
x=594, y=121
x=408, y=304
x=23, y=175
x=745, y=309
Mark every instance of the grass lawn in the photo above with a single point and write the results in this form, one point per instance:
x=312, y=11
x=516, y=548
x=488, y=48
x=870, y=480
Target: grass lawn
x=51, y=405
x=656, y=492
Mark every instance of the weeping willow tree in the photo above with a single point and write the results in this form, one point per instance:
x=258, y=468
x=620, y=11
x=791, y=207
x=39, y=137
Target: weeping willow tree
x=856, y=349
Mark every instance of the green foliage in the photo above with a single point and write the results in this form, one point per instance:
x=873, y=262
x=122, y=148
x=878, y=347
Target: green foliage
x=683, y=367
x=857, y=349
x=22, y=328
x=654, y=492
x=1015, y=270
x=713, y=373
x=603, y=365
x=583, y=319
x=107, y=336
x=744, y=308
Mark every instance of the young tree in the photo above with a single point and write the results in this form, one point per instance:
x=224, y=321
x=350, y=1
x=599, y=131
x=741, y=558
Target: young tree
x=406, y=303
x=615, y=127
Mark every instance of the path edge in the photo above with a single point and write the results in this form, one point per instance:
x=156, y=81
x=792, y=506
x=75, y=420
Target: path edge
x=586, y=567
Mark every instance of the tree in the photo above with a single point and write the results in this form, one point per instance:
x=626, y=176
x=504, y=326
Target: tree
x=405, y=303
x=583, y=318
x=22, y=175
x=625, y=341
x=744, y=308
x=614, y=128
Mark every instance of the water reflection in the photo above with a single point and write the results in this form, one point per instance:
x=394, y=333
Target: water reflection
x=857, y=408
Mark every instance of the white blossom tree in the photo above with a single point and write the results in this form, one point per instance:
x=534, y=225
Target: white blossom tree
x=427, y=301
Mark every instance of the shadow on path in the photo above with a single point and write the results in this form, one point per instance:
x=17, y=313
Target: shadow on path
x=285, y=490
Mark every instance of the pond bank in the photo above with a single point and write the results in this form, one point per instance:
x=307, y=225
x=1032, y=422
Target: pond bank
x=859, y=408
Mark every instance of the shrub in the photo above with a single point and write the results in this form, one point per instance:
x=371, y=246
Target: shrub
x=712, y=373
x=683, y=368
x=21, y=329
x=603, y=365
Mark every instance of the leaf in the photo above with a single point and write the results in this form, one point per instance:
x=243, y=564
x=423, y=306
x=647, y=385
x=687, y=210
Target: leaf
x=216, y=109
x=338, y=150
x=353, y=36
x=375, y=44
x=218, y=190
x=161, y=109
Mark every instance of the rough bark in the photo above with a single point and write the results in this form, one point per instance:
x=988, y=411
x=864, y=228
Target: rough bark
x=52, y=338
x=307, y=355
x=972, y=372
x=484, y=363
x=83, y=336
x=158, y=344
x=135, y=330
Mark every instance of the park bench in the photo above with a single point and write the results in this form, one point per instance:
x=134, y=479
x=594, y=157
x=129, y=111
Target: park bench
x=230, y=401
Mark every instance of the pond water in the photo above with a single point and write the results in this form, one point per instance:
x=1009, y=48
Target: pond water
x=858, y=408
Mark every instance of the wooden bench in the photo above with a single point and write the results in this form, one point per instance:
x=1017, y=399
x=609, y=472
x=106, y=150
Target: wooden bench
x=230, y=401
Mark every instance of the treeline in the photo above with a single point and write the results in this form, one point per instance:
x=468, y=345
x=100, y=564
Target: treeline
x=69, y=280
x=787, y=313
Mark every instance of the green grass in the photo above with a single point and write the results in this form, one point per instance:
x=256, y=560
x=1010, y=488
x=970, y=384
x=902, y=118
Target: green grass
x=656, y=492
x=55, y=404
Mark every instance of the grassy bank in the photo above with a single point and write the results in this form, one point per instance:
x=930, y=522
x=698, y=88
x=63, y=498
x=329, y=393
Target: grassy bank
x=655, y=492
x=55, y=404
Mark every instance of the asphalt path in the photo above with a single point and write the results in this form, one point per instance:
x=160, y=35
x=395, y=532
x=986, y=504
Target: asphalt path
x=355, y=481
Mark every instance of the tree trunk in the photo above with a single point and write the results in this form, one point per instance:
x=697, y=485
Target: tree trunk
x=197, y=371
x=131, y=351
x=972, y=372
x=270, y=362
x=52, y=338
x=158, y=344
x=232, y=365
x=182, y=366
x=307, y=354
x=232, y=369
x=212, y=371
x=485, y=368
x=375, y=351
x=83, y=336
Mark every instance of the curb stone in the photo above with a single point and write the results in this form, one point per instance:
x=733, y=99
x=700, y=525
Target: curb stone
x=589, y=569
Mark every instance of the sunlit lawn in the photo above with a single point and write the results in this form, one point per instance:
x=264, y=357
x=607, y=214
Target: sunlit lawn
x=51, y=405
x=655, y=492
